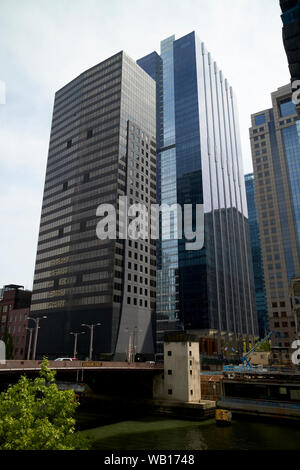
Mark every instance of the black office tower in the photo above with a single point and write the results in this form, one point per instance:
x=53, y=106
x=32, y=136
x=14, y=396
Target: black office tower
x=102, y=147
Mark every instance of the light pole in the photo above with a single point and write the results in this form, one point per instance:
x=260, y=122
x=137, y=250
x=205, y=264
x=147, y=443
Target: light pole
x=37, y=321
x=29, y=344
x=91, y=327
x=75, y=341
x=132, y=340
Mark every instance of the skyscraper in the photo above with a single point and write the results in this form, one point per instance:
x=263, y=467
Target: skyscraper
x=102, y=146
x=275, y=152
x=199, y=161
x=291, y=40
x=259, y=282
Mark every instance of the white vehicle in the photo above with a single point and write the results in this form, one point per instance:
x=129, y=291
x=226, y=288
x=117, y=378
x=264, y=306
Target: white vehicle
x=64, y=359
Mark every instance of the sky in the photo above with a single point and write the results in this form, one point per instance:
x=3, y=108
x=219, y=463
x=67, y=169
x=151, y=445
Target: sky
x=47, y=43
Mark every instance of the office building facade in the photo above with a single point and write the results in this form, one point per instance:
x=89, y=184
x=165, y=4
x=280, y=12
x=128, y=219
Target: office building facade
x=275, y=151
x=102, y=147
x=259, y=281
x=199, y=161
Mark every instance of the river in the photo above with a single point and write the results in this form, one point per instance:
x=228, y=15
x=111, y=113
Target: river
x=155, y=433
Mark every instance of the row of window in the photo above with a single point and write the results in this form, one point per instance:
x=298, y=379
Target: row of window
x=142, y=269
x=142, y=302
x=285, y=324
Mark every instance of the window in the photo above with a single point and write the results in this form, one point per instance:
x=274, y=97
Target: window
x=65, y=186
x=89, y=133
x=260, y=119
x=287, y=107
x=69, y=144
x=169, y=353
x=170, y=372
x=170, y=391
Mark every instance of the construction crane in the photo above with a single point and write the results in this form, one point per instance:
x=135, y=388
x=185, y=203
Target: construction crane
x=246, y=364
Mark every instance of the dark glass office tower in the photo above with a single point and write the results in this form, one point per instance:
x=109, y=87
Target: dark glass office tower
x=199, y=161
x=291, y=35
x=259, y=282
x=291, y=40
x=102, y=146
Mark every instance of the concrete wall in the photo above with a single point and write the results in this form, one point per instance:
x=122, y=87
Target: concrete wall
x=261, y=358
x=181, y=379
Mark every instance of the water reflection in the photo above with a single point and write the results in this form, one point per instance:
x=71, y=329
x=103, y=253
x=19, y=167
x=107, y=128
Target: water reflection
x=163, y=434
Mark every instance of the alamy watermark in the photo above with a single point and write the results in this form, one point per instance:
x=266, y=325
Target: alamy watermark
x=164, y=222
x=2, y=92
x=296, y=354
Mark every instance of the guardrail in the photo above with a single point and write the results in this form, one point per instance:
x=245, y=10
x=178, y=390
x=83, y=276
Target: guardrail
x=36, y=365
x=262, y=370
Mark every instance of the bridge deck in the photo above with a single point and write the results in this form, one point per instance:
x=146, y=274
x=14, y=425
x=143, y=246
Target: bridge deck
x=12, y=365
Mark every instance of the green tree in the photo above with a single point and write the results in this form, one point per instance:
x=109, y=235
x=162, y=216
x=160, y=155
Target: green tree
x=35, y=415
x=265, y=346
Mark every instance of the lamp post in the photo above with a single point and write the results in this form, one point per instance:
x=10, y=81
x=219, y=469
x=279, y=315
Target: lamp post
x=37, y=322
x=91, y=327
x=132, y=340
x=29, y=344
x=75, y=341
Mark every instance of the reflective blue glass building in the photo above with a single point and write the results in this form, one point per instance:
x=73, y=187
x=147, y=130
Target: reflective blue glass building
x=259, y=282
x=199, y=161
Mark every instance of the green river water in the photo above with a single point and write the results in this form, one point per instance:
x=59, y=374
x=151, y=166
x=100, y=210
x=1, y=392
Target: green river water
x=170, y=434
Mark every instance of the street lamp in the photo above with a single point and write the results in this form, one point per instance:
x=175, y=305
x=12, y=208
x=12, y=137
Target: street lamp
x=29, y=344
x=132, y=340
x=37, y=321
x=75, y=341
x=91, y=327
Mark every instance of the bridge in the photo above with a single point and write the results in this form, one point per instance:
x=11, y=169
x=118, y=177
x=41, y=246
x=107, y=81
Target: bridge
x=112, y=378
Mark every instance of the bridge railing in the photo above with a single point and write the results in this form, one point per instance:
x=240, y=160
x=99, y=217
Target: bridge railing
x=24, y=364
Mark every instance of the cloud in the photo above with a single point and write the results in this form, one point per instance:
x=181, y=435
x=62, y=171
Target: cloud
x=20, y=215
x=22, y=152
x=47, y=43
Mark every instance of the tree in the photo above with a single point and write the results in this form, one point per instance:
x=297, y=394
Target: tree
x=35, y=415
x=265, y=346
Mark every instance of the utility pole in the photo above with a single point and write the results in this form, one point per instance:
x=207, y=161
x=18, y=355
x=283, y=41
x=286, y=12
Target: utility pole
x=37, y=321
x=75, y=341
x=29, y=344
x=132, y=340
x=91, y=327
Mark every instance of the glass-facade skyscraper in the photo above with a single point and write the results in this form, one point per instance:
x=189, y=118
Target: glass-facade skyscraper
x=259, y=282
x=275, y=147
x=102, y=147
x=199, y=161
